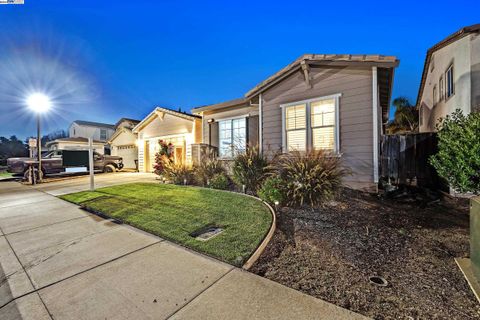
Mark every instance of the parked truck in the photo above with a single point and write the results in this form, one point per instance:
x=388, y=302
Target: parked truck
x=59, y=161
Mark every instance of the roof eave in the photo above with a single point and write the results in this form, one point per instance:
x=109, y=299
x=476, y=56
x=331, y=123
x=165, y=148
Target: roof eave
x=296, y=65
x=439, y=45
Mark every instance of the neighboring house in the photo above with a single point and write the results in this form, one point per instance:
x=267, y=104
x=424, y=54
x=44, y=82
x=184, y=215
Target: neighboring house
x=451, y=78
x=123, y=142
x=333, y=102
x=75, y=144
x=87, y=129
x=181, y=129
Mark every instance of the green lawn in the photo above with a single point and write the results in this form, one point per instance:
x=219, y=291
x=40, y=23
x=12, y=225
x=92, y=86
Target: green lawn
x=174, y=212
x=5, y=175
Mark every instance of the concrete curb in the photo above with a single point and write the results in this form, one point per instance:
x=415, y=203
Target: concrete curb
x=261, y=247
x=258, y=252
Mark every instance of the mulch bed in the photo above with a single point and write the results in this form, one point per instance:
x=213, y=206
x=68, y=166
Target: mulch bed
x=330, y=253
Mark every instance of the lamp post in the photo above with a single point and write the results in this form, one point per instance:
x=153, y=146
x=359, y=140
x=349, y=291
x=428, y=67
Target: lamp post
x=39, y=103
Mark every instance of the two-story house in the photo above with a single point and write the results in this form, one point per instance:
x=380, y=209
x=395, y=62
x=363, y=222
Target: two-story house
x=78, y=134
x=451, y=78
x=87, y=129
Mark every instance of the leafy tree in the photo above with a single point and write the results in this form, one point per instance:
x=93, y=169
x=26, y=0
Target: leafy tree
x=405, y=118
x=458, y=157
x=10, y=148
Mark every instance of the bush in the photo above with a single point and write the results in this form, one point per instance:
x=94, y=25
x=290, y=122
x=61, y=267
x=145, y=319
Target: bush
x=161, y=157
x=219, y=181
x=272, y=190
x=208, y=168
x=178, y=173
x=458, y=157
x=309, y=178
x=250, y=168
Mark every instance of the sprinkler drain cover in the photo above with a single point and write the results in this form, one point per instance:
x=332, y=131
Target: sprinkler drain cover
x=378, y=281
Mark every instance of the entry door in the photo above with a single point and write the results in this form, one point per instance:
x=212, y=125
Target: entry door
x=179, y=154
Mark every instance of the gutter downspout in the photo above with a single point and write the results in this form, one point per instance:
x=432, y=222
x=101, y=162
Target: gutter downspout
x=375, y=124
x=260, y=123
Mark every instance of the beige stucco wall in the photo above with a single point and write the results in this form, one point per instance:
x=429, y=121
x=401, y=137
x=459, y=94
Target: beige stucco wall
x=458, y=53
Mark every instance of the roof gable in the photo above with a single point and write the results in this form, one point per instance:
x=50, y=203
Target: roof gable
x=160, y=112
x=322, y=59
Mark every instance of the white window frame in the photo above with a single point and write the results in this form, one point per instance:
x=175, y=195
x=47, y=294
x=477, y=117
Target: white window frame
x=305, y=129
x=447, y=96
x=106, y=134
x=308, y=103
x=231, y=119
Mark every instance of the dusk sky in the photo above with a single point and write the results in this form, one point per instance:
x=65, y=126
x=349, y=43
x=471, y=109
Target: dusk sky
x=103, y=60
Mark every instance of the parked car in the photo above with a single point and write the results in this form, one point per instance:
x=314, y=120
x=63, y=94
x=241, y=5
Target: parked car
x=59, y=160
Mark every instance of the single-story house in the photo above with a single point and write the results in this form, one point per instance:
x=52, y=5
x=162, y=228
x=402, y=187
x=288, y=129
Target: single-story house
x=123, y=142
x=75, y=144
x=179, y=128
x=319, y=101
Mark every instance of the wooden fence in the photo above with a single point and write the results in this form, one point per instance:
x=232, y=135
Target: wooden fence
x=404, y=159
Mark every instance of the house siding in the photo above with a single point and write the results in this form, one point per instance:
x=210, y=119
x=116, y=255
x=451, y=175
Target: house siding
x=84, y=131
x=232, y=112
x=355, y=107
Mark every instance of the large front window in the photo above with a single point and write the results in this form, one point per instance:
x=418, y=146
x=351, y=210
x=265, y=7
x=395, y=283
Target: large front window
x=311, y=125
x=232, y=137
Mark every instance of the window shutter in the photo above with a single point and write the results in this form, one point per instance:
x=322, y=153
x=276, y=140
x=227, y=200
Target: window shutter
x=214, y=134
x=252, y=130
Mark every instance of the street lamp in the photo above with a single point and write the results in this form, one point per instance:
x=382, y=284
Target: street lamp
x=39, y=103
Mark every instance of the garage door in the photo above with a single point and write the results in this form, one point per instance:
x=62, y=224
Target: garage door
x=129, y=154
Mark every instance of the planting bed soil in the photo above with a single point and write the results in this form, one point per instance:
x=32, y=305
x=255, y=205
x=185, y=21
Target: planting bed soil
x=410, y=242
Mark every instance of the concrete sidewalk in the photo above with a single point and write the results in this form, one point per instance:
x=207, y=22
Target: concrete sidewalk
x=59, y=262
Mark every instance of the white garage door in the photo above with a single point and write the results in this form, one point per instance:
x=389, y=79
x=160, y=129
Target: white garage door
x=129, y=154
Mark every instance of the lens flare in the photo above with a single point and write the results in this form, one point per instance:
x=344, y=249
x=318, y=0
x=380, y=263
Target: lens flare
x=38, y=102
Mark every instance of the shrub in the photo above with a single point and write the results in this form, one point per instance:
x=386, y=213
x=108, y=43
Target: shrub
x=272, y=190
x=161, y=157
x=458, y=157
x=309, y=178
x=219, y=181
x=208, y=168
x=250, y=168
x=178, y=173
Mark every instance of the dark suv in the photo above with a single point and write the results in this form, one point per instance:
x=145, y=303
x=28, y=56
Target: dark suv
x=59, y=160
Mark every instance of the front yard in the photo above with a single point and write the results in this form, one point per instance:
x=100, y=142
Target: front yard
x=175, y=212
x=330, y=253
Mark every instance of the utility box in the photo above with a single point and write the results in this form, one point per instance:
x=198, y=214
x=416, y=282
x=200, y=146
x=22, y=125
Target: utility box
x=475, y=236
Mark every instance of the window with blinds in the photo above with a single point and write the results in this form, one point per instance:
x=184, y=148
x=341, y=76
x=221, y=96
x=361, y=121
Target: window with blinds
x=323, y=124
x=296, y=127
x=311, y=125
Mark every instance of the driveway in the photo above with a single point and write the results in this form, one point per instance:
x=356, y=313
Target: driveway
x=59, y=262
